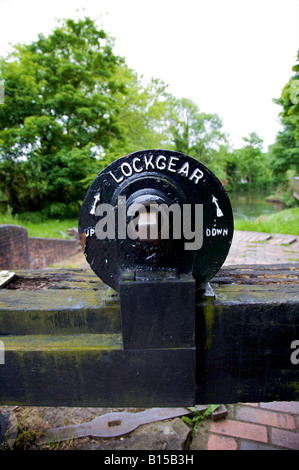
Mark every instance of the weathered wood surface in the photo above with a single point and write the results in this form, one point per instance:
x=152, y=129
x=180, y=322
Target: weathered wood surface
x=61, y=330
x=245, y=334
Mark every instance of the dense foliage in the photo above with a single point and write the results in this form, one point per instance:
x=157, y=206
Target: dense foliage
x=284, y=153
x=60, y=108
x=72, y=106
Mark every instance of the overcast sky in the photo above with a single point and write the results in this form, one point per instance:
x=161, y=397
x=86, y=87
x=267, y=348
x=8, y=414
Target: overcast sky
x=230, y=57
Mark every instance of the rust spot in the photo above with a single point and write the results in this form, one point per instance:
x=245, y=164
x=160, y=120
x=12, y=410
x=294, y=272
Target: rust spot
x=82, y=238
x=116, y=422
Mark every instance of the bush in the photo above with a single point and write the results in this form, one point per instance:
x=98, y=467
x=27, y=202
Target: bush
x=61, y=210
x=30, y=217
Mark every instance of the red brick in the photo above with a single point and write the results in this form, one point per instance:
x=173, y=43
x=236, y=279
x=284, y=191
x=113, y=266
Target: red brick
x=250, y=445
x=232, y=428
x=14, y=252
x=285, y=406
x=269, y=418
x=287, y=439
x=45, y=251
x=216, y=442
x=250, y=404
x=18, y=251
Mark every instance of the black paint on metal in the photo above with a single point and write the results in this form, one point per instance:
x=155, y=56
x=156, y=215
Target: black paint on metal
x=160, y=176
x=158, y=311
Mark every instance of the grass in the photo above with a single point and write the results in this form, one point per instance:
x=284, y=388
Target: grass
x=285, y=222
x=198, y=416
x=49, y=228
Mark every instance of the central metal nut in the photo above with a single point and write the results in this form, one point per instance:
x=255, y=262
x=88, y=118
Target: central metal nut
x=147, y=217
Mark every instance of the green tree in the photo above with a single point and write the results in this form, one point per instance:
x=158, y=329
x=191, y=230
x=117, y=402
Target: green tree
x=249, y=167
x=219, y=161
x=194, y=132
x=72, y=106
x=285, y=150
x=60, y=113
x=143, y=111
x=233, y=171
x=143, y=114
x=252, y=152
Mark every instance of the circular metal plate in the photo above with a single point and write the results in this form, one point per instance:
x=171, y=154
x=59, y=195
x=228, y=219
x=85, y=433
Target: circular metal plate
x=177, y=179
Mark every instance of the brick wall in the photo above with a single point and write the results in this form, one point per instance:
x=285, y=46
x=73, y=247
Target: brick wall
x=18, y=251
x=45, y=251
x=14, y=248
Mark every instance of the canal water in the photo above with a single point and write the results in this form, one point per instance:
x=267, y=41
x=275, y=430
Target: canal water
x=249, y=206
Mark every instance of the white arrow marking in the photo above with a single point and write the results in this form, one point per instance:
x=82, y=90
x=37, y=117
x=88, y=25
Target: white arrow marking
x=96, y=200
x=219, y=211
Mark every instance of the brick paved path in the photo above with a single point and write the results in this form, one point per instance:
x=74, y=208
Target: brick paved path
x=263, y=248
x=252, y=426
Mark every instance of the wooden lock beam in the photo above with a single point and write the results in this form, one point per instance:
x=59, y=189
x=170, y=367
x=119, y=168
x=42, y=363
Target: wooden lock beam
x=63, y=345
